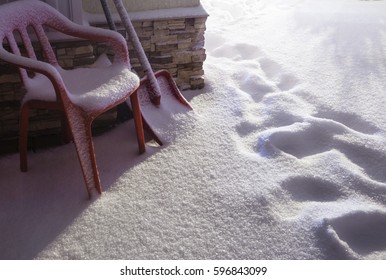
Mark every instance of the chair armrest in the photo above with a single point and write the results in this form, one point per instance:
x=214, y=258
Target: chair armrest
x=36, y=66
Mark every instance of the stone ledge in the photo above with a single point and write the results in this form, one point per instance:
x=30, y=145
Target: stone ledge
x=151, y=15
x=143, y=5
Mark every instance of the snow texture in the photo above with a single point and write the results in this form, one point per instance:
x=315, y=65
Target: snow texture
x=283, y=157
x=90, y=88
x=164, y=117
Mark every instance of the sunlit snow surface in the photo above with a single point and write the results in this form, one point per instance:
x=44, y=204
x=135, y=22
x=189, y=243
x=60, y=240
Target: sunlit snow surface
x=283, y=157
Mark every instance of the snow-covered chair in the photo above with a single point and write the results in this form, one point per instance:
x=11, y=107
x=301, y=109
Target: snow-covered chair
x=82, y=94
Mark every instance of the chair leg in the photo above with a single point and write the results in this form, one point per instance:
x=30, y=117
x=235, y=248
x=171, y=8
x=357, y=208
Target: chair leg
x=82, y=136
x=66, y=132
x=23, y=138
x=138, y=122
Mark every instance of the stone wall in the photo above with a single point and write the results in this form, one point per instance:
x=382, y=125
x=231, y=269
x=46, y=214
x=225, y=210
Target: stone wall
x=174, y=44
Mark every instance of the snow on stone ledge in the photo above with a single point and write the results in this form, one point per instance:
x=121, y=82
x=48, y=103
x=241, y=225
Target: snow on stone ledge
x=186, y=12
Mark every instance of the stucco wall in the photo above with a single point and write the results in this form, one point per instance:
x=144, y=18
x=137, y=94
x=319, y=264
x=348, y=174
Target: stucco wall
x=93, y=6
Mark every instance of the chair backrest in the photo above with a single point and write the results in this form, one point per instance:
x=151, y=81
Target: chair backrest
x=24, y=21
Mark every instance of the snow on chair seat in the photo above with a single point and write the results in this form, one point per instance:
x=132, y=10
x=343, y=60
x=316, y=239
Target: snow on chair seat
x=99, y=86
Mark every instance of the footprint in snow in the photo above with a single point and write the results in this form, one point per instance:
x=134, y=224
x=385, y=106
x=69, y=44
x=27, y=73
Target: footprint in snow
x=321, y=136
x=305, y=193
x=362, y=233
x=256, y=86
x=237, y=52
x=304, y=189
x=245, y=128
x=308, y=141
x=350, y=120
x=271, y=103
x=278, y=75
x=287, y=82
x=370, y=158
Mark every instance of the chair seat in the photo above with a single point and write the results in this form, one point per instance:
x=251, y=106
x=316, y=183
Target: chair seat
x=90, y=88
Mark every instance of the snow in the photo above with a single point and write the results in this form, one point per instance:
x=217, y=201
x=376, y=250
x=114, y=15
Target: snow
x=283, y=156
x=167, y=115
x=199, y=11
x=105, y=85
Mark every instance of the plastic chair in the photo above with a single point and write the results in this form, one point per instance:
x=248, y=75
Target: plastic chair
x=82, y=94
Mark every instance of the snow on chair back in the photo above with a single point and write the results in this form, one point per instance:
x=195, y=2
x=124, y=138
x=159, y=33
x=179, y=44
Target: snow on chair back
x=24, y=16
x=24, y=21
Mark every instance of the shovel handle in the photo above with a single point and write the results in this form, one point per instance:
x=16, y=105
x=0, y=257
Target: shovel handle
x=108, y=15
x=155, y=92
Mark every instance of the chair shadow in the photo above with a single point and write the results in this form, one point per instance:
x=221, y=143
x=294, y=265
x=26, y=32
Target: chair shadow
x=38, y=206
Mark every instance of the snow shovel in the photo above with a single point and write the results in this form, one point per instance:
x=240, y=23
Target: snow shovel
x=159, y=96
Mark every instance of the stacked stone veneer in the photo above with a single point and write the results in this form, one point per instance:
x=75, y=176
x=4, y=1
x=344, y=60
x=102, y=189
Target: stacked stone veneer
x=176, y=45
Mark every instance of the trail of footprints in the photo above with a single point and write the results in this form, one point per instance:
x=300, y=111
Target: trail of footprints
x=320, y=134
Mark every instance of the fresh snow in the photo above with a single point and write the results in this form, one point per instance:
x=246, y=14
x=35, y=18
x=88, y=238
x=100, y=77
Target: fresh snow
x=104, y=86
x=283, y=156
